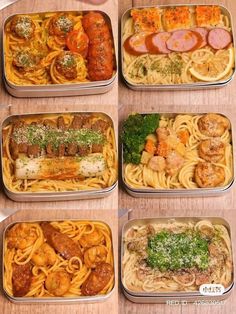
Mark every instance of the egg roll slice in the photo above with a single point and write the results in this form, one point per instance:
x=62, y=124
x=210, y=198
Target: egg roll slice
x=62, y=168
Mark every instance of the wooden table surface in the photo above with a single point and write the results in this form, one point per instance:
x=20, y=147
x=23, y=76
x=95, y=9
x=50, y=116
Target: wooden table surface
x=103, y=209
x=214, y=100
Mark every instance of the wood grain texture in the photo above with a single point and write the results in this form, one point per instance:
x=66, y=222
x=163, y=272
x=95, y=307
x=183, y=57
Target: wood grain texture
x=214, y=100
x=103, y=209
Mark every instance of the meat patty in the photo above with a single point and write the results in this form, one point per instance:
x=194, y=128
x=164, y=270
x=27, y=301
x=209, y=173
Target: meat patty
x=61, y=242
x=98, y=279
x=21, y=279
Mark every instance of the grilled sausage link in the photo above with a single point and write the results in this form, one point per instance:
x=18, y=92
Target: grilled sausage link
x=61, y=242
x=21, y=279
x=100, y=55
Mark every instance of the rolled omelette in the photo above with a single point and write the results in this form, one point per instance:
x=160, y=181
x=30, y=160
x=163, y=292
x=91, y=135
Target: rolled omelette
x=60, y=168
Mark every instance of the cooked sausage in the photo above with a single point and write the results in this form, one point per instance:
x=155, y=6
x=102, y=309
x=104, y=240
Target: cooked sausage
x=33, y=150
x=100, y=125
x=98, y=279
x=100, y=54
x=61, y=150
x=50, y=123
x=72, y=149
x=21, y=279
x=136, y=44
x=79, y=121
x=22, y=147
x=203, y=32
x=61, y=242
x=61, y=123
x=219, y=38
x=14, y=150
x=156, y=43
x=51, y=152
x=184, y=40
x=97, y=148
x=84, y=150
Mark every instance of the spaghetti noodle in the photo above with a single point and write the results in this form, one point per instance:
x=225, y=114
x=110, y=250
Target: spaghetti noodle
x=184, y=153
x=24, y=245
x=176, y=256
x=59, y=153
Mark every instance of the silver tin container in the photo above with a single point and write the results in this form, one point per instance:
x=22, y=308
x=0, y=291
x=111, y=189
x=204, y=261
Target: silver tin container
x=154, y=193
x=56, y=300
x=52, y=90
x=175, y=297
x=190, y=86
x=54, y=196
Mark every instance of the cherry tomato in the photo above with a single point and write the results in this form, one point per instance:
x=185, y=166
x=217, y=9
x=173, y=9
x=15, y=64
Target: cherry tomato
x=77, y=41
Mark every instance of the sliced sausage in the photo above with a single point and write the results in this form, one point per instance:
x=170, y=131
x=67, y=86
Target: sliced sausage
x=61, y=150
x=61, y=242
x=203, y=32
x=184, y=40
x=72, y=149
x=136, y=44
x=83, y=150
x=14, y=150
x=100, y=125
x=22, y=147
x=21, y=279
x=50, y=123
x=156, y=43
x=33, y=150
x=219, y=38
x=97, y=148
x=61, y=123
x=98, y=279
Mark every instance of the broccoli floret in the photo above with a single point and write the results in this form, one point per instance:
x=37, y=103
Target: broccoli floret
x=135, y=130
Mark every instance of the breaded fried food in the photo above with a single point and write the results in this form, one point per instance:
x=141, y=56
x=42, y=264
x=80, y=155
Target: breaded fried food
x=177, y=18
x=146, y=20
x=207, y=15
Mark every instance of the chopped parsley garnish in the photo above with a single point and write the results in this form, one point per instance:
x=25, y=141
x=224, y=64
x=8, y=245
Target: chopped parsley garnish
x=64, y=24
x=43, y=135
x=170, y=251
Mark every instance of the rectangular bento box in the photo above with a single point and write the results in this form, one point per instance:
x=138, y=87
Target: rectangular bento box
x=91, y=192
x=174, y=297
x=177, y=86
x=150, y=192
x=60, y=299
x=61, y=89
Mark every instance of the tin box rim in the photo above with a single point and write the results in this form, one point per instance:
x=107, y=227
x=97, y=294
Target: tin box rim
x=219, y=219
x=45, y=194
x=185, y=85
x=182, y=191
x=97, y=298
x=53, y=86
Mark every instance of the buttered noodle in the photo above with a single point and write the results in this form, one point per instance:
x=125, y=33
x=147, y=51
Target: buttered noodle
x=138, y=277
x=145, y=69
x=141, y=176
x=107, y=179
x=78, y=271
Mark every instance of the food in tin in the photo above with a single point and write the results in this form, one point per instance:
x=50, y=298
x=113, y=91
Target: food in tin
x=59, y=152
x=176, y=45
x=58, y=259
x=58, y=48
x=177, y=152
x=176, y=256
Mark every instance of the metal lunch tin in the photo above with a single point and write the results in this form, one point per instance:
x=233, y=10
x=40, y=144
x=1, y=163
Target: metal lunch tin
x=186, y=86
x=154, y=193
x=174, y=297
x=52, y=90
x=56, y=300
x=55, y=196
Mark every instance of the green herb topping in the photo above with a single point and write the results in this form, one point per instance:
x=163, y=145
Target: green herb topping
x=43, y=135
x=170, y=251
